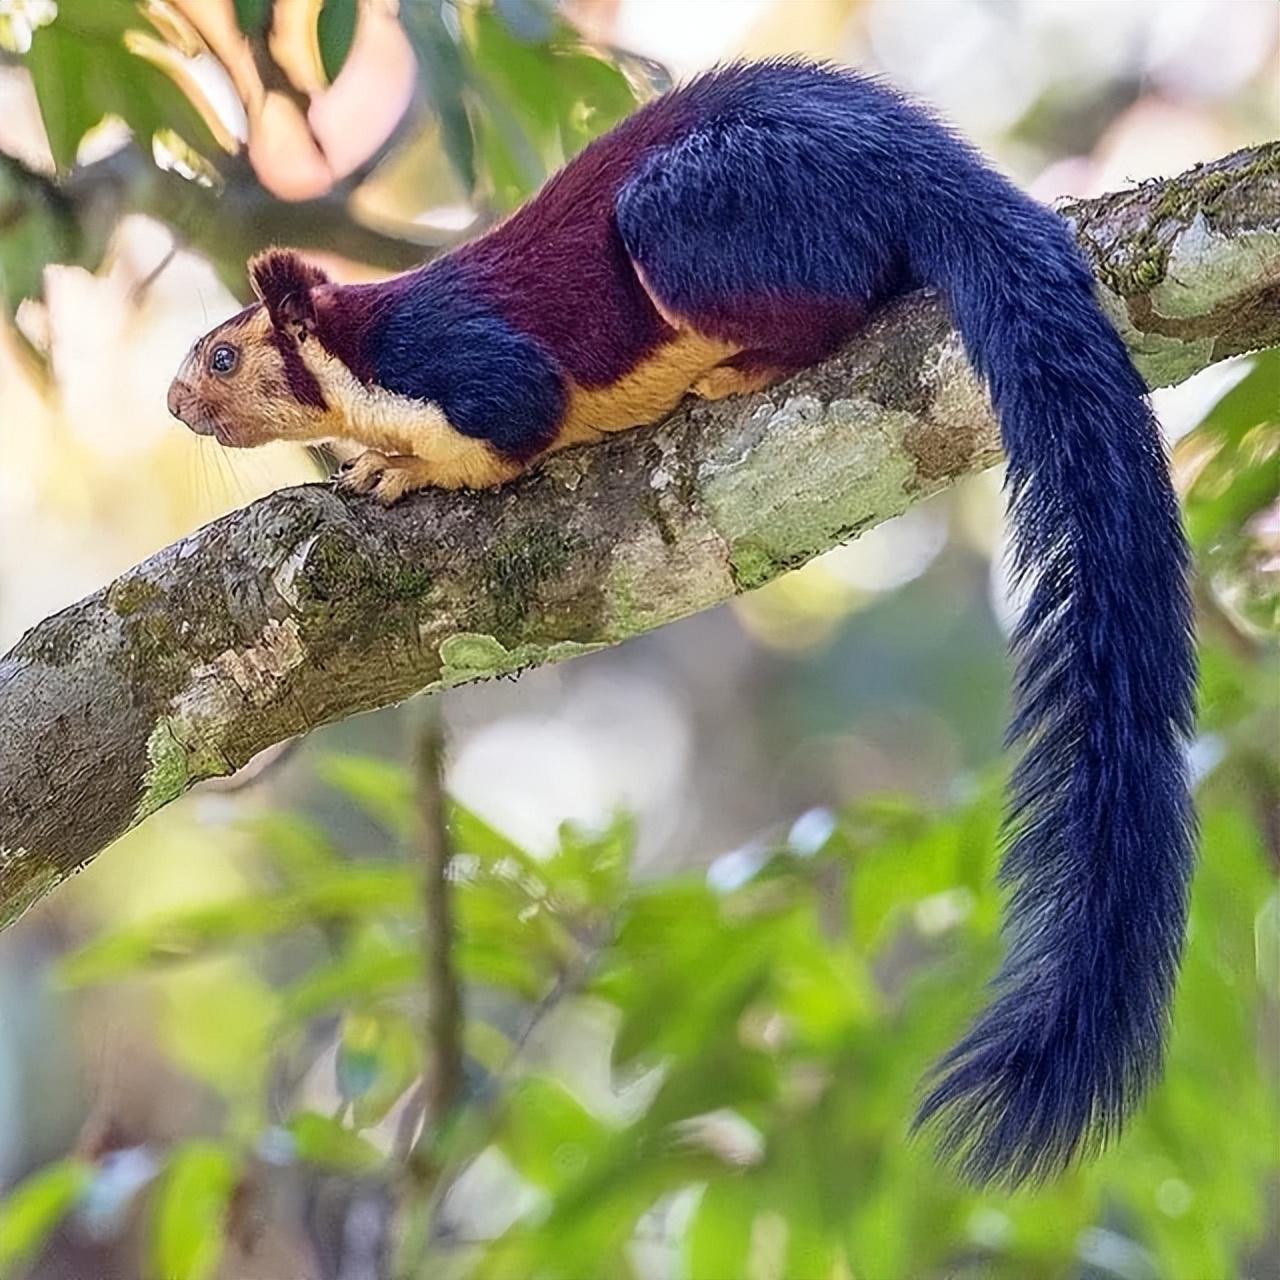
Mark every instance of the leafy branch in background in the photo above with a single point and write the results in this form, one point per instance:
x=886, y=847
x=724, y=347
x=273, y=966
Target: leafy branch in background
x=763, y=1026
x=504, y=95
x=443, y=1081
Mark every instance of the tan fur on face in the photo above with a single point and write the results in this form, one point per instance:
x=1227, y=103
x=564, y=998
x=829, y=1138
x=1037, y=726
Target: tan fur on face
x=254, y=404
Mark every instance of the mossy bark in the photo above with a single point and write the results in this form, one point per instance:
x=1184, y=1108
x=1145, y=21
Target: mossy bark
x=308, y=606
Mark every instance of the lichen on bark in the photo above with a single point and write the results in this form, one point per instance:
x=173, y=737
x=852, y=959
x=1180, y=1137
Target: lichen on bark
x=307, y=606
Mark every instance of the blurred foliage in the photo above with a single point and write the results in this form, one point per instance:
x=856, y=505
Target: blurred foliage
x=91, y=60
x=1231, y=504
x=509, y=90
x=764, y=1026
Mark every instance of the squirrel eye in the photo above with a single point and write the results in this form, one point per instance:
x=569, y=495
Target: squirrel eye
x=223, y=358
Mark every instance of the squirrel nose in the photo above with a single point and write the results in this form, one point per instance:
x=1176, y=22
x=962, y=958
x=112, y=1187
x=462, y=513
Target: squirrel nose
x=177, y=394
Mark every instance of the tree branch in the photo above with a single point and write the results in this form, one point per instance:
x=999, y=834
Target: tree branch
x=307, y=606
x=228, y=225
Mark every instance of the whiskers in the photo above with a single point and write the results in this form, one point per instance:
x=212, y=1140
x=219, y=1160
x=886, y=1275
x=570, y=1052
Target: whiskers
x=215, y=480
x=221, y=479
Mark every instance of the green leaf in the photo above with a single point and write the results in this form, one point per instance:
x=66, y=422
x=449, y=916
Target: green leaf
x=681, y=973
x=1225, y=693
x=189, y=1211
x=494, y=912
x=253, y=17
x=382, y=789
x=1241, y=476
x=445, y=80
x=718, y=1241
x=369, y=971
x=377, y=969
x=350, y=891
x=494, y=964
x=546, y=1133
x=1234, y=456
x=32, y=1211
x=335, y=31
x=933, y=870
x=592, y=1219
x=591, y=868
x=219, y=1024
x=322, y=1141
x=561, y=92
x=726, y=1076
x=542, y=100
x=508, y=162
x=1266, y=933
x=299, y=849
x=470, y=833
x=83, y=69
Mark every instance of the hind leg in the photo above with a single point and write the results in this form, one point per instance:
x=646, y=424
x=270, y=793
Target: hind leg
x=796, y=336
x=725, y=380
x=731, y=242
x=748, y=372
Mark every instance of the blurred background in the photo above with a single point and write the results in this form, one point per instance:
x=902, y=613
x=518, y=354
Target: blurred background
x=722, y=892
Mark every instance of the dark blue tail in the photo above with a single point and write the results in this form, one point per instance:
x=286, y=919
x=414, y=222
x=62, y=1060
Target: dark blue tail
x=811, y=183
x=1099, y=834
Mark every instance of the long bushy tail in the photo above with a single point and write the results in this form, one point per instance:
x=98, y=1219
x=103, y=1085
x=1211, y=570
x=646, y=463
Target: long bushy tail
x=1099, y=834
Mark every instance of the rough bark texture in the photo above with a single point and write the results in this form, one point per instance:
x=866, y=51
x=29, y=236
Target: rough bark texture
x=307, y=607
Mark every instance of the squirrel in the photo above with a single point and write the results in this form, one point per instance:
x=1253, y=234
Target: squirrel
x=727, y=234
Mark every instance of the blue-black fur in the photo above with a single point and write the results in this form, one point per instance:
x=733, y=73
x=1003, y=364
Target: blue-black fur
x=802, y=184
x=433, y=336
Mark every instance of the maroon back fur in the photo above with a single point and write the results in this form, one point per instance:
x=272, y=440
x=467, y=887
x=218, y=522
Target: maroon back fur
x=561, y=257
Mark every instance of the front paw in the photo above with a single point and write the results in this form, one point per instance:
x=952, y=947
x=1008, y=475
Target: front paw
x=362, y=473
x=385, y=478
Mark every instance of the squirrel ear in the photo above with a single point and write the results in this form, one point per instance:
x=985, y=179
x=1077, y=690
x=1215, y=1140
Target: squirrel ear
x=284, y=280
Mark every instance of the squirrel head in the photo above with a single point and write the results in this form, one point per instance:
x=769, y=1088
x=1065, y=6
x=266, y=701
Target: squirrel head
x=254, y=377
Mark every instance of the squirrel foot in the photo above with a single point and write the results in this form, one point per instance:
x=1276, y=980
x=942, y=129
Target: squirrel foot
x=385, y=477
x=724, y=380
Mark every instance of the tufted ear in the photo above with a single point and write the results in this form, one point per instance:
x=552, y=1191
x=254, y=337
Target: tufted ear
x=284, y=280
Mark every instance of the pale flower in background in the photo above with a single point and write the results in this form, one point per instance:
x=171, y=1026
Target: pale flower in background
x=19, y=18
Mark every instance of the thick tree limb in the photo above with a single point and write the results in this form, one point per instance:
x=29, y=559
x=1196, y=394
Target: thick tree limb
x=307, y=607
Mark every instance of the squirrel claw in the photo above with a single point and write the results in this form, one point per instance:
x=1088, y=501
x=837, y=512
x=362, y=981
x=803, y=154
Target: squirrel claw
x=362, y=474
x=386, y=479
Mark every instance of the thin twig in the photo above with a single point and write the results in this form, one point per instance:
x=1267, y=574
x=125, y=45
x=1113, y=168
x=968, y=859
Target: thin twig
x=568, y=983
x=138, y=293
x=443, y=1075
x=408, y=1125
